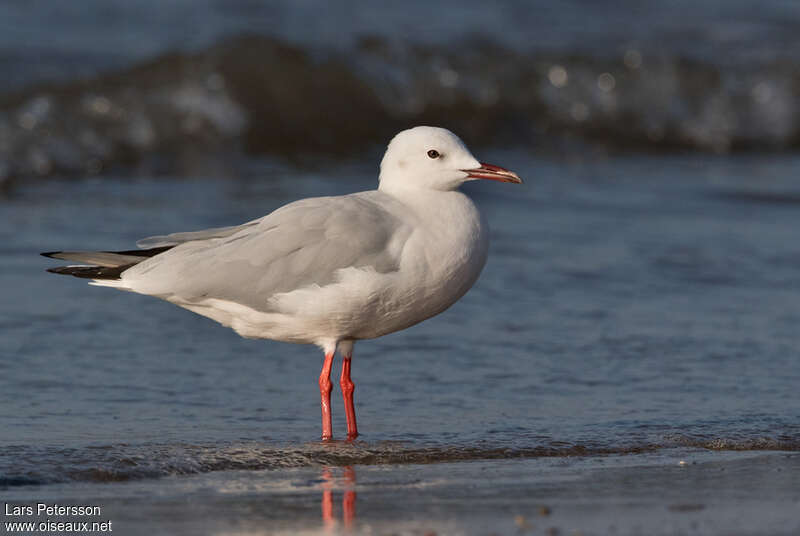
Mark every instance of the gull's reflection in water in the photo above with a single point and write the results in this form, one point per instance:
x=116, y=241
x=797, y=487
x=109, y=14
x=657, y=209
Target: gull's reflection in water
x=346, y=481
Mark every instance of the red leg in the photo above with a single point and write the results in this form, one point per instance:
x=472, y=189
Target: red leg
x=347, y=394
x=325, y=396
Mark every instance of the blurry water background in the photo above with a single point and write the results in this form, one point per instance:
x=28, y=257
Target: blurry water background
x=642, y=296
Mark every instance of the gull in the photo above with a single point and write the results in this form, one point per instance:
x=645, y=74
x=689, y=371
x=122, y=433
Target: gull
x=328, y=271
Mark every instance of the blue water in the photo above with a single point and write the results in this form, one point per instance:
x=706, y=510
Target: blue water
x=66, y=40
x=144, y=88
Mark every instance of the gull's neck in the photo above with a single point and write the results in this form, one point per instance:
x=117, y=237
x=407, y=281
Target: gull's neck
x=424, y=199
x=408, y=191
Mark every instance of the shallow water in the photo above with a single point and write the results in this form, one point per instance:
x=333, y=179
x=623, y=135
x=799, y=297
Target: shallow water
x=629, y=305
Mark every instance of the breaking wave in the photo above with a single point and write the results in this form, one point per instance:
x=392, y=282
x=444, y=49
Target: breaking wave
x=251, y=95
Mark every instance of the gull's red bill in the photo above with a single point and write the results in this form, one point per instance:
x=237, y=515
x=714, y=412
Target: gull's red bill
x=493, y=173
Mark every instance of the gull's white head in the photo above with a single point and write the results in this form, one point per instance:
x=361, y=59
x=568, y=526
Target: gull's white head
x=433, y=158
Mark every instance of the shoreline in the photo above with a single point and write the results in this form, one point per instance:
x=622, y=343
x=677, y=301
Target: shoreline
x=686, y=491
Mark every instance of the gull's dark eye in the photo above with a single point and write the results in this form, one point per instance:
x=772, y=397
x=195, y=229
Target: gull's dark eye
x=433, y=153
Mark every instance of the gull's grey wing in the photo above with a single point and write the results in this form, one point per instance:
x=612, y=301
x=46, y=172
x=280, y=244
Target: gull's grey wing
x=301, y=244
x=179, y=238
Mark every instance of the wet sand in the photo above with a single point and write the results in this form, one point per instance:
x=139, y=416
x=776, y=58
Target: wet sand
x=674, y=491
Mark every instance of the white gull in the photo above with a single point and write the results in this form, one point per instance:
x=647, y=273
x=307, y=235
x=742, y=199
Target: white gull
x=328, y=270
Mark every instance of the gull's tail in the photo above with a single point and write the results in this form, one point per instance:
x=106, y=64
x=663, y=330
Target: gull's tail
x=101, y=265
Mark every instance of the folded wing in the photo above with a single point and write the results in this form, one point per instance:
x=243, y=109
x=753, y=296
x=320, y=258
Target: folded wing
x=301, y=244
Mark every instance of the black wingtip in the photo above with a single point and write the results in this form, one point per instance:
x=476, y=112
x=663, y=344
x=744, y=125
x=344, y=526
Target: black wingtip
x=50, y=254
x=91, y=272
